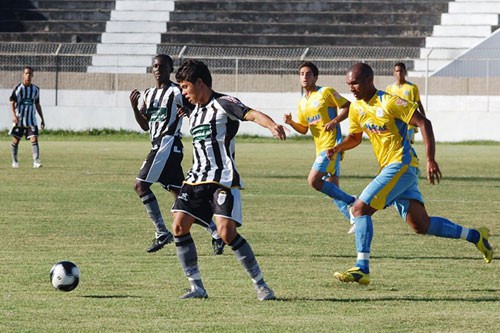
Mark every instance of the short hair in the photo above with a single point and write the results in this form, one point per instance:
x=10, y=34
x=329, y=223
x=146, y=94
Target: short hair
x=402, y=65
x=364, y=70
x=28, y=67
x=192, y=70
x=311, y=66
x=167, y=59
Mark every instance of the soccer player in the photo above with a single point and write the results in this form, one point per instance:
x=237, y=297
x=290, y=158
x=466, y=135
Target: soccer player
x=384, y=119
x=405, y=90
x=213, y=184
x=156, y=111
x=25, y=103
x=318, y=113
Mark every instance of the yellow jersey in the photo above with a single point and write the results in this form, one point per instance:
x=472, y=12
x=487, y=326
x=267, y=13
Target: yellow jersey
x=317, y=109
x=384, y=119
x=407, y=90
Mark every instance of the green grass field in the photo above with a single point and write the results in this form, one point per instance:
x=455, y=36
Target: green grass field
x=81, y=206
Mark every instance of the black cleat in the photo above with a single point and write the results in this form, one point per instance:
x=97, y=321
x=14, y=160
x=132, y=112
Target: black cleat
x=218, y=246
x=160, y=242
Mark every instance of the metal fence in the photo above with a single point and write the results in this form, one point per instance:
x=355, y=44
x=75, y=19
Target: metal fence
x=64, y=66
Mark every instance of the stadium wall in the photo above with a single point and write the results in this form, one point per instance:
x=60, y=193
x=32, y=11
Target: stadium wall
x=455, y=116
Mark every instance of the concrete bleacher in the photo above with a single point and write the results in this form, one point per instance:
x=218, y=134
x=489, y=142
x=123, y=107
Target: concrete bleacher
x=336, y=26
x=32, y=31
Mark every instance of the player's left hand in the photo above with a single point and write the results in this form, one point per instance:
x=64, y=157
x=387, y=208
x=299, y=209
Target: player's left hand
x=433, y=173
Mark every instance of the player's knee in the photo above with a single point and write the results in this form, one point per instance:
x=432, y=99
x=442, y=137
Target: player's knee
x=141, y=187
x=315, y=183
x=227, y=233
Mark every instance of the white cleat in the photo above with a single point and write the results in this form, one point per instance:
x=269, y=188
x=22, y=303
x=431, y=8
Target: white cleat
x=37, y=164
x=15, y=165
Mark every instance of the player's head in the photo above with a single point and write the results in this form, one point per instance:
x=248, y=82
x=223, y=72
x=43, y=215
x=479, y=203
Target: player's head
x=359, y=78
x=400, y=72
x=27, y=75
x=162, y=66
x=308, y=73
x=195, y=80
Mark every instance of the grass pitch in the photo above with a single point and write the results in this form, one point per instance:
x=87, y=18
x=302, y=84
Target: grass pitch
x=81, y=206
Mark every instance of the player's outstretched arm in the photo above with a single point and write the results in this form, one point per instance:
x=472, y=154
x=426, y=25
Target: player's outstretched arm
x=278, y=131
x=287, y=118
x=433, y=173
x=139, y=117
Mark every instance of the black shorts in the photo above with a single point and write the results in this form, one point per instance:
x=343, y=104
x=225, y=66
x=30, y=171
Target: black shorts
x=28, y=132
x=163, y=164
x=201, y=201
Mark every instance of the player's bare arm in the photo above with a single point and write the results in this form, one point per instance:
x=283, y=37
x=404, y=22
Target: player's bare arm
x=139, y=117
x=433, y=173
x=40, y=113
x=343, y=114
x=278, y=131
x=15, y=120
x=287, y=118
x=351, y=141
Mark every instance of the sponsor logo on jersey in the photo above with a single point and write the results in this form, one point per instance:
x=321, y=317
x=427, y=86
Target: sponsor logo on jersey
x=232, y=99
x=27, y=101
x=201, y=132
x=314, y=119
x=372, y=128
x=401, y=101
x=157, y=114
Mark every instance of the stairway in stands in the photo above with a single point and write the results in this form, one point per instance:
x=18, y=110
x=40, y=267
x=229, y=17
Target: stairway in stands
x=131, y=36
x=466, y=24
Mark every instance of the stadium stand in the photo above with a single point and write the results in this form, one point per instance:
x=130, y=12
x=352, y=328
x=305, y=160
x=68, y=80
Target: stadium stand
x=466, y=24
x=34, y=31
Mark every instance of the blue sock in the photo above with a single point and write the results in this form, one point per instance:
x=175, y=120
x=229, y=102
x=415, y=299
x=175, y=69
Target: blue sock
x=364, y=235
x=441, y=227
x=333, y=191
x=343, y=208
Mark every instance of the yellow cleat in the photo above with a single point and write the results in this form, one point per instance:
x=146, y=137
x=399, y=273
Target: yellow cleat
x=353, y=275
x=483, y=245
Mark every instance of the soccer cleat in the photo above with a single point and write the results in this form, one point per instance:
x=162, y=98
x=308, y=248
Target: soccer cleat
x=195, y=292
x=37, y=164
x=15, y=165
x=160, y=242
x=264, y=293
x=218, y=246
x=353, y=275
x=483, y=245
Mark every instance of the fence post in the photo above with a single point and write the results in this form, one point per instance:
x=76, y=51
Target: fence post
x=56, y=88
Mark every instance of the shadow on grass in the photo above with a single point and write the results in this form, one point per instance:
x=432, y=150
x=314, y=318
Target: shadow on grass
x=392, y=299
x=109, y=296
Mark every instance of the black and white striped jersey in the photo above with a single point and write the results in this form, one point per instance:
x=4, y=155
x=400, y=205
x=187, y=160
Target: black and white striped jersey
x=159, y=106
x=213, y=127
x=26, y=98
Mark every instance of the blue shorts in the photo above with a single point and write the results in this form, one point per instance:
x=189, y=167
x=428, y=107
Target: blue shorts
x=323, y=164
x=396, y=184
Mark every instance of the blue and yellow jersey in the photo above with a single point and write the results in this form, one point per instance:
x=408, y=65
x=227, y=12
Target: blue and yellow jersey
x=317, y=110
x=385, y=120
x=407, y=90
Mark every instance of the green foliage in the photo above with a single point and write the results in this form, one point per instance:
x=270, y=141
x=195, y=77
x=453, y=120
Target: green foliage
x=81, y=206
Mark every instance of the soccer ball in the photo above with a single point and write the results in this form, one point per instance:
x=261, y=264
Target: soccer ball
x=65, y=276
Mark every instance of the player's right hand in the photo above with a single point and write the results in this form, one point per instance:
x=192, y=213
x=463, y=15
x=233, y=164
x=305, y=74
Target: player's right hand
x=134, y=98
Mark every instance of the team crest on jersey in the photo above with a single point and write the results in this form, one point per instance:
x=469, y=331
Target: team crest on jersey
x=380, y=112
x=401, y=101
x=221, y=198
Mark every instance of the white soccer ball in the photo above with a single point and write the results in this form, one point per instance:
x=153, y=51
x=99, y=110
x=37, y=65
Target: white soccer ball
x=65, y=276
